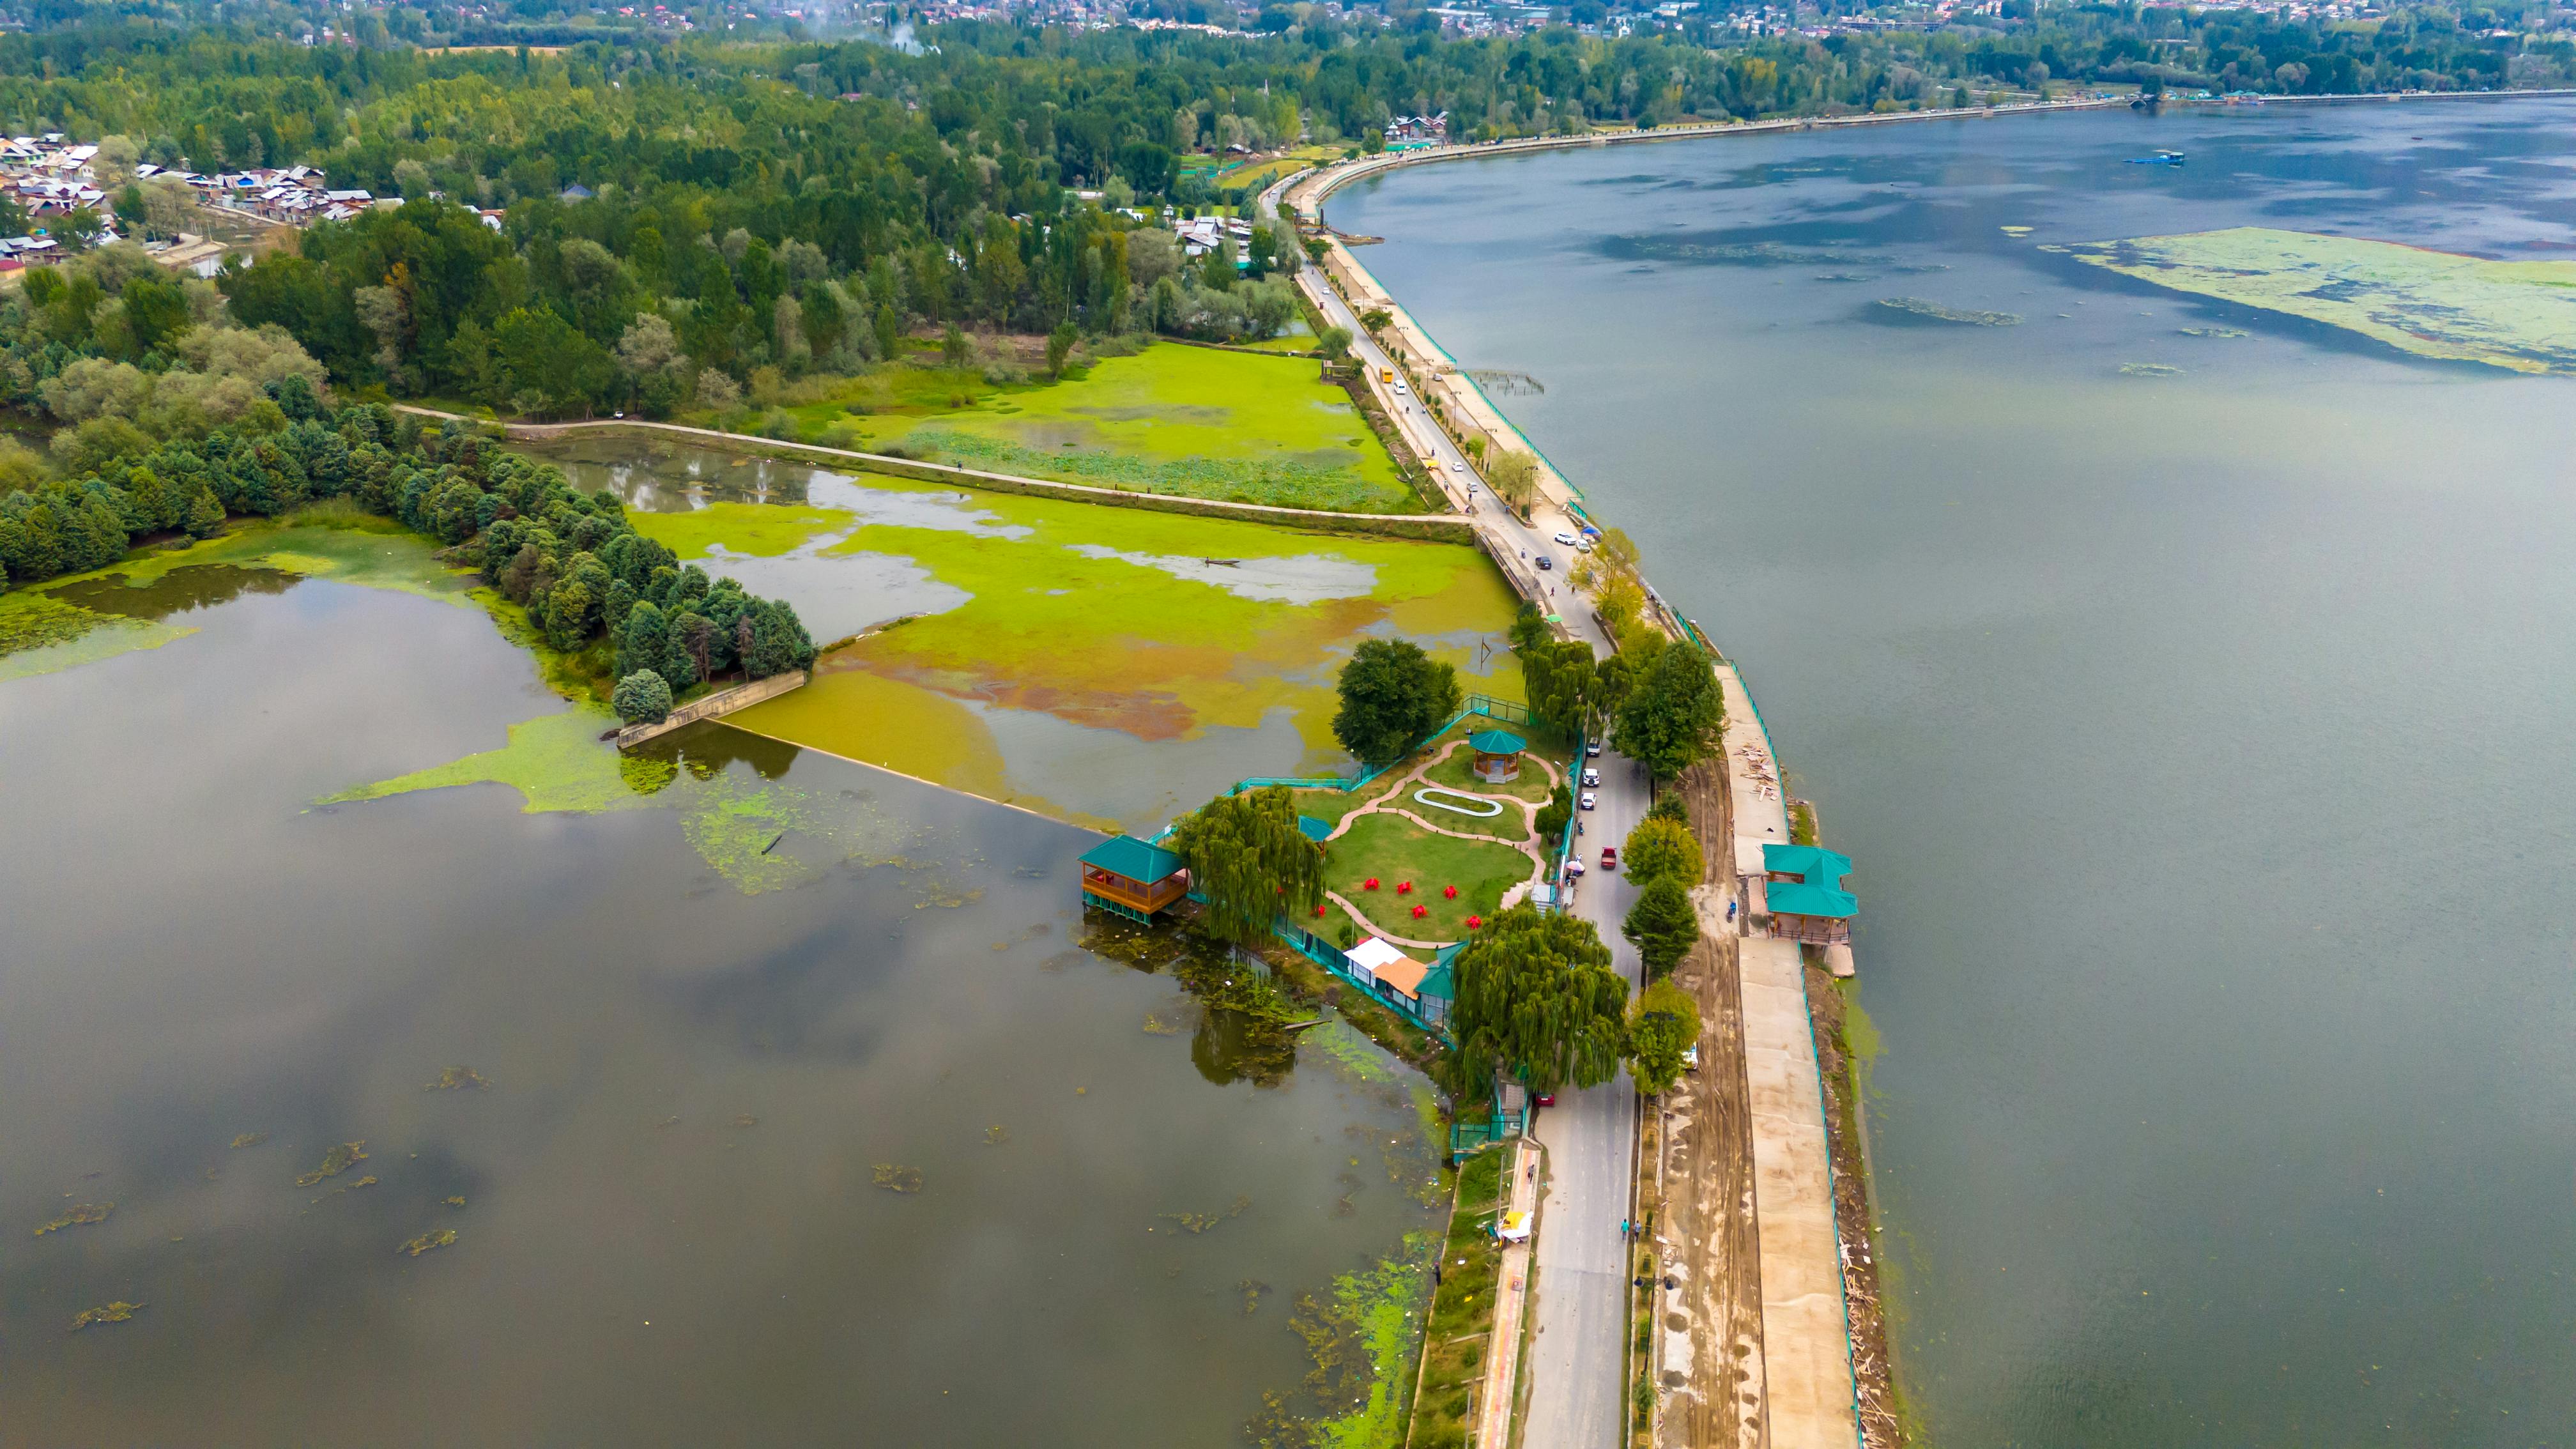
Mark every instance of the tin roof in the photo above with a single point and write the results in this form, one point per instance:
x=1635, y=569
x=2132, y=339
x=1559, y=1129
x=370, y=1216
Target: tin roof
x=1135, y=859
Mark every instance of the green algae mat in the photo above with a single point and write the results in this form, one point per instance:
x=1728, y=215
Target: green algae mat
x=1197, y=421
x=2517, y=315
x=1065, y=651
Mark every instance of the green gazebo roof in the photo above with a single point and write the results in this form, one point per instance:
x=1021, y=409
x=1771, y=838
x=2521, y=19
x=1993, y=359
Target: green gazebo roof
x=1496, y=742
x=1135, y=859
x=1818, y=890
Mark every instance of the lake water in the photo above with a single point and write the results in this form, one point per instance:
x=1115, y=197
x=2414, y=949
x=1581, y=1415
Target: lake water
x=668, y=1224
x=2201, y=737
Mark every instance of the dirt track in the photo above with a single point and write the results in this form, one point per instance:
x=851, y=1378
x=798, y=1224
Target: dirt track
x=1708, y=1324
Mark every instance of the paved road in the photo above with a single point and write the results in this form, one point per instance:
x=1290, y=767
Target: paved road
x=1581, y=1307
x=1575, y=1367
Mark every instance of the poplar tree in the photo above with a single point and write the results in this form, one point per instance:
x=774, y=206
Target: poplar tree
x=1663, y=924
x=1663, y=1024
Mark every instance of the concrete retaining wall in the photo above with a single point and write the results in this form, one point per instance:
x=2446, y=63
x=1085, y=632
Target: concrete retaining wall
x=741, y=696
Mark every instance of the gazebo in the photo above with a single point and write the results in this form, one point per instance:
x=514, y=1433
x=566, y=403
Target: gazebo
x=1133, y=878
x=1803, y=885
x=1498, y=755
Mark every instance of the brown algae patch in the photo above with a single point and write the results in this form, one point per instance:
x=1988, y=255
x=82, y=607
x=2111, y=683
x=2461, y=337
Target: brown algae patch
x=78, y=1215
x=456, y=1079
x=250, y=1139
x=334, y=1162
x=895, y=1178
x=117, y=1312
x=428, y=1242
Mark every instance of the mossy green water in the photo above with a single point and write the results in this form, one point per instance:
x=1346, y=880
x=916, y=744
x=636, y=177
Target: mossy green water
x=760, y=834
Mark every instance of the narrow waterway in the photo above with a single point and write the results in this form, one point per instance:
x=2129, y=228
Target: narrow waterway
x=841, y=1136
x=2190, y=684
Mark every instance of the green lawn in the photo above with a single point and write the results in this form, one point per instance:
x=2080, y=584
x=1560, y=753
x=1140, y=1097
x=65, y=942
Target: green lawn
x=1454, y=1341
x=1454, y=771
x=1395, y=850
x=1170, y=419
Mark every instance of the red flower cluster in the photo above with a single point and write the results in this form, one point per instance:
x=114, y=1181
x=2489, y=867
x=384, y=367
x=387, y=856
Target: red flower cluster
x=1449, y=893
x=1475, y=922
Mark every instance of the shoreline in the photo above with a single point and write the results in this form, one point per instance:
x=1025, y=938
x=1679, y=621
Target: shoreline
x=1813, y=1391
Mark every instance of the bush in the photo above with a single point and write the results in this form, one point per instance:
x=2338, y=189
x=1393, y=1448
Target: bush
x=642, y=697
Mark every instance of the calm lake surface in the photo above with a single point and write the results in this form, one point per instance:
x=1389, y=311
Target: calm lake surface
x=670, y=1229
x=2202, y=739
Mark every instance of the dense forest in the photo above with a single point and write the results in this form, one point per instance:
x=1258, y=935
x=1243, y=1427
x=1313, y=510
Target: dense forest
x=584, y=576
x=669, y=223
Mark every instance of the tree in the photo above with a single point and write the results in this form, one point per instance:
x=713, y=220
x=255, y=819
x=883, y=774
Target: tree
x=1553, y=815
x=642, y=697
x=1513, y=476
x=954, y=349
x=1663, y=849
x=1671, y=718
x=1393, y=694
x=1661, y=1026
x=1376, y=319
x=1060, y=347
x=1335, y=344
x=1670, y=806
x=1537, y=998
x=1247, y=855
x=1663, y=924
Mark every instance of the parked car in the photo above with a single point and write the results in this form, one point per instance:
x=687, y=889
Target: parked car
x=1593, y=749
x=1609, y=857
x=1545, y=1099
x=1690, y=1058
x=1590, y=799
x=1592, y=777
x=1566, y=539
x=1545, y=563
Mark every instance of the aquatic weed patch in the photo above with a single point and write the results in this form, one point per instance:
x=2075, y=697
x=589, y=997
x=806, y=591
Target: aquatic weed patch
x=2516, y=315
x=1288, y=482
x=1360, y=1337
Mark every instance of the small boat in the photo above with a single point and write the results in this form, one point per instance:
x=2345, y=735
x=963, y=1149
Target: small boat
x=2161, y=158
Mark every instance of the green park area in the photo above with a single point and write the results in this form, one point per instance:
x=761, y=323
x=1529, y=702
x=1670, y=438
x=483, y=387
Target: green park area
x=1480, y=838
x=2517, y=315
x=1203, y=422
x=1140, y=629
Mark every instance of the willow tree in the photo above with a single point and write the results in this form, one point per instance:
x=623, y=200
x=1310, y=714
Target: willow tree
x=1537, y=997
x=1247, y=855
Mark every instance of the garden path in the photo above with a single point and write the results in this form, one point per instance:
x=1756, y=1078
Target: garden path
x=1529, y=844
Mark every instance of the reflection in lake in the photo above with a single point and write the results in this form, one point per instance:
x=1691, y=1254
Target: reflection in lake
x=656, y=1220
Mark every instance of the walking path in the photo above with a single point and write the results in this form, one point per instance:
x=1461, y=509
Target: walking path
x=1503, y=1360
x=1806, y=1337
x=1529, y=844
x=974, y=477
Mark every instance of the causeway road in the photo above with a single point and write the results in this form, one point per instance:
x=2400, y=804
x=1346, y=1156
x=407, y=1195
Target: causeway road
x=1580, y=1295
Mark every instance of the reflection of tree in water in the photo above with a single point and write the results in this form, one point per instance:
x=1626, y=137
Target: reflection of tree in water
x=198, y=586
x=1237, y=1046
x=706, y=748
x=1242, y=1033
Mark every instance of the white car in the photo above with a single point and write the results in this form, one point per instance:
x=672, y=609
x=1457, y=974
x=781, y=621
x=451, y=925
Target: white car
x=1591, y=779
x=1399, y=389
x=1589, y=800
x=1593, y=749
x=1690, y=1058
x=1566, y=539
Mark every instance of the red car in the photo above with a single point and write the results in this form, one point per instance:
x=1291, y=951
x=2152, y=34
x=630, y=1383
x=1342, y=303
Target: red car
x=1609, y=857
x=1547, y=1099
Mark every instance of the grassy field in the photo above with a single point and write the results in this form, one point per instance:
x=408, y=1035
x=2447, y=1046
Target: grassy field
x=1197, y=421
x=1394, y=850
x=1455, y=771
x=1455, y=1340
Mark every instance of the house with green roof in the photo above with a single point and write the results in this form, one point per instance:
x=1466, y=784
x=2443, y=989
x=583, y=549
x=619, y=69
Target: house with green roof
x=1133, y=878
x=1803, y=890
